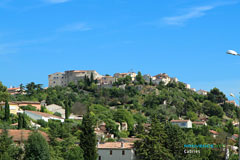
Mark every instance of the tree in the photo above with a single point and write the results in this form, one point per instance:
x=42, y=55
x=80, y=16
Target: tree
x=74, y=153
x=7, y=111
x=91, y=78
x=8, y=150
x=22, y=121
x=67, y=108
x=4, y=95
x=152, y=146
x=36, y=147
x=140, y=78
x=229, y=127
x=216, y=96
x=88, y=139
x=212, y=109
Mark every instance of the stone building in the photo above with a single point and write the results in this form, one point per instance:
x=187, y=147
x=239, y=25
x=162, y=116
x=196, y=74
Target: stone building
x=64, y=78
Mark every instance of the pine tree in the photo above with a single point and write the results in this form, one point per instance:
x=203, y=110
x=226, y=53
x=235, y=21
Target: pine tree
x=36, y=147
x=7, y=111
x=88, y=139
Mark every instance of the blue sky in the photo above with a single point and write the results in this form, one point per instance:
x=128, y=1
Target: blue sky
x=185, y=39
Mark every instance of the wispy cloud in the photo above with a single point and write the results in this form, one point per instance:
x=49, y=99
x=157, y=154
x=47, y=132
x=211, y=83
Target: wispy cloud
x=193, y=13
x=75, y=27
x=14, y=47
x=57, y=1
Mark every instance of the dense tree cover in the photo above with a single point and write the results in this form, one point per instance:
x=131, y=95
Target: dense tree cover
x=36, y=147
x=8, y=150
x=136, y=103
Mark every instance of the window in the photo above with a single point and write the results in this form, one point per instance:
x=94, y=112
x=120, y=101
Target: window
x=110, y=152
x=99, y=158
x=123, y=152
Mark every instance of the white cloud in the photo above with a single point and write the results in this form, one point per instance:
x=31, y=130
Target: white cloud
x=193, y=13
x=75, y=27
x=57, y=1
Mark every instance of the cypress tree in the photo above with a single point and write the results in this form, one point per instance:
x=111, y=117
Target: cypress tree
x=20, y=124
x=88, y=139
x=91, y=78
x=66, y=109
x=7, y=111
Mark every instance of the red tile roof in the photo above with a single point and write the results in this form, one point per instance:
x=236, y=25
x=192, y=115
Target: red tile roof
x=22, y=135
x=115, y=145
x=44, y=114
x=213, y=132
x=179, y=120
x=9, y=89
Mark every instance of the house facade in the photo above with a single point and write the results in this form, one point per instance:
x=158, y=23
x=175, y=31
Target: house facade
x=202, y=92
x=116, y=151
x=106, y=80
x=64, y=78
x=40, y=115
x=15, y=105
x=162, y=77
x=182, y=123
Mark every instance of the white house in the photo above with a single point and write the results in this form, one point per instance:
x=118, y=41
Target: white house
x=202, y=92
x=40, y=115
x=116, y=151
x=56, y=108
x=182, y=123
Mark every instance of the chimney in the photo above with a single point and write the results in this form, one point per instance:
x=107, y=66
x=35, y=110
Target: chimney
x=122, y=145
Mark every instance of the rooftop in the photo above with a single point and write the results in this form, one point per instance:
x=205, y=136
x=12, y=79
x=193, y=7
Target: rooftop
x=43, y=114
x=213, y=132
x=115, y=145
x=180, y=120
x=22, y=135
x=131, y=140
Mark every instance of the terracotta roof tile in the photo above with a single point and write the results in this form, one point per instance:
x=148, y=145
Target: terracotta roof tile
x=22, y=135
x=44, y=114
x=213, y=132
x=115, y=145
x=179, y=120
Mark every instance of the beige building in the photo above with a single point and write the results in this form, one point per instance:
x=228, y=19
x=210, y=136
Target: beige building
x=56, y=79
x=14, y=108
x=162, y=77
x=106, y=80
x=120, y=75
x=15, y=105
x=64, y=78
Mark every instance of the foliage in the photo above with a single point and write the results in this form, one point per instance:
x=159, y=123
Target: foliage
x=7, y=111
x=8, y=150
x=28, y=107
x=36, y=147
x=88, y=139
